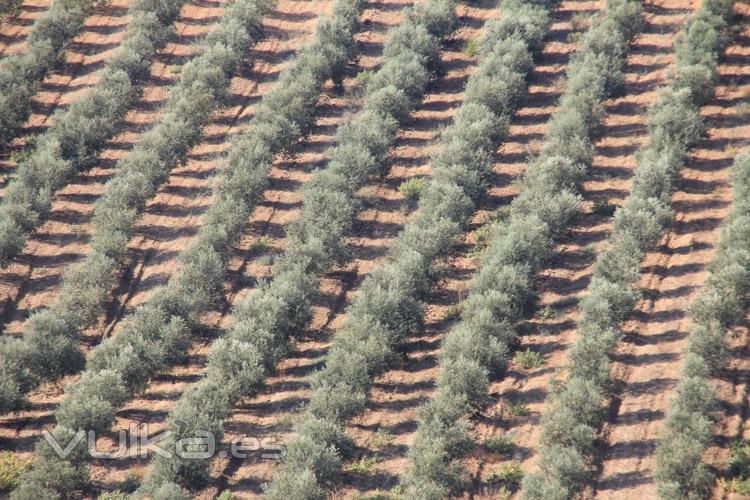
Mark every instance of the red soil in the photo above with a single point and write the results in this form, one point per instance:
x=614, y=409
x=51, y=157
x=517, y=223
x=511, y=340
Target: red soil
x=553, y=330
x=15, y=28
x=649, y=362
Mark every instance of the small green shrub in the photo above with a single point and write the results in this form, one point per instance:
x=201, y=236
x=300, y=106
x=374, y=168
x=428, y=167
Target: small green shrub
x=518, y=410
x=546, y=313
x=502, y=444
x=11, y=468
x=529, y=359
x=453, y=311
x=25, y=153
x=471, y=48
x=739, y=461
x=735, y=485
x=113, y=495
x=261, y=244
x=413, y=189
x=483, y=236
x=509, y=474
x=226, y=495
x=363, y=78
x=364, y=466
x=381, y=438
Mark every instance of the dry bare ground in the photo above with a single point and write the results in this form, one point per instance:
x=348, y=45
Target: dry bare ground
x=171, y=216
x=15, y=28
x=650, y=359
x=272, y=413
x=553, y=329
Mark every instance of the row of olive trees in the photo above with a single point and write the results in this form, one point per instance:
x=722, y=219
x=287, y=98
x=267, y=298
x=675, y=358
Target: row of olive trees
x=156, y=336
x=239, y=362
x=80, y=132
x=502, y=290
x=265, y=322
x=388, y=307
x=281, y=308
x=722, y=302
x=48, y=350
x=576, y=407
x=21, y=75
x=479, y=344
x=203, y=84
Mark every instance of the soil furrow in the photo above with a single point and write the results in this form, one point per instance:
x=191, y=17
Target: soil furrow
x=649, y=362
x=31, y=279
x=64, y=238
x=172, y=217
x=271, y=414
x=15, y=28
x=518, y=400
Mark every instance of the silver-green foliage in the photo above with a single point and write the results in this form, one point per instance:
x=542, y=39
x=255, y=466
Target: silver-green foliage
x=156, y=335
x=158, y=330
x=80, y=132
x=503, y=287
x=21, y=75
x=317, y=241
x=674, y=126
x=239, y=362
x=48, y=350
x=680, y=469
